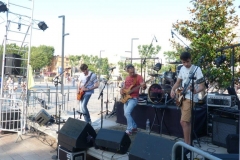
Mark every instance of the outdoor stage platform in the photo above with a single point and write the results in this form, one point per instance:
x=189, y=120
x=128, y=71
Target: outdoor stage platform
x=171, y=120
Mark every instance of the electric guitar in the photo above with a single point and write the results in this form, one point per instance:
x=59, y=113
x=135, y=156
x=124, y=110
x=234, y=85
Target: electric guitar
x=181, y=92
x=126, y=92
x=81, y=92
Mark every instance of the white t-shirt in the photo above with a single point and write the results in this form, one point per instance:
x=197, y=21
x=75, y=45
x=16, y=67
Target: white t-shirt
x=90, y=83
x=184, y=75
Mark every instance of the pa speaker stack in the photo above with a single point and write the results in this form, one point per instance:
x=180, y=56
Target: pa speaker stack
x=76, y=135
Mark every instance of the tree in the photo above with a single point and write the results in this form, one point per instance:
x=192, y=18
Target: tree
x=211, y=27
x=41, y=56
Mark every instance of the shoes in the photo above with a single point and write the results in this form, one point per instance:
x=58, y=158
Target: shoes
x=128, y=132
x=135, y=130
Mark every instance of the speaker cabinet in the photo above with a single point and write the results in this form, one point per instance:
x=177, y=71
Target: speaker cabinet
x=222, y=127
x=150, y=147
x=10, y=119
x=111, y=140
x=12, y=62
x=76, y=134
x=42, y=117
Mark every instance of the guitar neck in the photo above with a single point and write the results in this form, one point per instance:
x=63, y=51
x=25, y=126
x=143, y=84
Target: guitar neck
x=134, y=88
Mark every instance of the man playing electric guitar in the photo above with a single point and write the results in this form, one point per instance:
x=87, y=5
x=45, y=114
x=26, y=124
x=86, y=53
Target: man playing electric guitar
x=131, y=80
x=87, y=83
x=182, y=79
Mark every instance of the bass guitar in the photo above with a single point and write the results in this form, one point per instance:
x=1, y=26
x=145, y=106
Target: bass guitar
x=126, y=92
x=180, y=92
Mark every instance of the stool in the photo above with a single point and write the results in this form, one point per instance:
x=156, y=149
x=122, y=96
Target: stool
x=162, y=108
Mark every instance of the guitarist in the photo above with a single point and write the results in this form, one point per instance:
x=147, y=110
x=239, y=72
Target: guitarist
x=182, y=78
x=87, y=83
x=132, y=79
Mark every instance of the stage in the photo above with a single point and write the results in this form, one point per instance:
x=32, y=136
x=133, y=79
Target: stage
x=171, y=121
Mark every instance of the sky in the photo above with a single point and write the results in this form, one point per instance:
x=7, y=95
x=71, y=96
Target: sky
x=109, y=25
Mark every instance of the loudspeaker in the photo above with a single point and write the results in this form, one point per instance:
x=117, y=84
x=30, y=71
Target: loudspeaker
x=76, y=134
x=232, y=141
x=114, y=141
x=10, y=119
x=222, y=127
x=150, y=147
x=11, y=63
x=42, y=117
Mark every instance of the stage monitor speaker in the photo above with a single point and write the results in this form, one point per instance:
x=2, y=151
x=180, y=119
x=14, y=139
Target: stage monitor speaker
x=76, y=135
x=151, y=147
x=222, y=127
x=12, y=61
x=112, y=140
x=232, y=141
x=42, y=117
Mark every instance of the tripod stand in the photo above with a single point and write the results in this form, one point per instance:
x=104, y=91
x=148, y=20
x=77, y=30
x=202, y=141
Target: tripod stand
x=101, y=96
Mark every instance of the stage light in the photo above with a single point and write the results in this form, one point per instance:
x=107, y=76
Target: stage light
x=157, y=67
x=42, y=25
x=3, y=7
x=219, y=60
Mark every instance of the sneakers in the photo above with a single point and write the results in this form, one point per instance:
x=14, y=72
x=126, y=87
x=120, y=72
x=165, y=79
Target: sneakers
x=128, y=132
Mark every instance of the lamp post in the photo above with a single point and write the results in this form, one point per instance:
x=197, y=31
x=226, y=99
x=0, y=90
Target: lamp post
x=63, y=35
x=100, y=62
x=132, y=47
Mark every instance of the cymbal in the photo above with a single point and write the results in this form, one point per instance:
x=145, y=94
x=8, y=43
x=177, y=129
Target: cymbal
x=155, y=75
x=174, y=62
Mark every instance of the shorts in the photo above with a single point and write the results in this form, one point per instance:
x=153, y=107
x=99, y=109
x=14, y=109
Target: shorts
x=186, y=110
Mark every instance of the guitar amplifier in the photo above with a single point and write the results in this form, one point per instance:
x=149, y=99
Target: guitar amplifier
x=221, y=100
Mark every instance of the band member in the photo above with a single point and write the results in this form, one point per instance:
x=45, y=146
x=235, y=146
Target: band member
x=183, y=78
x=87, y=83
x=132, y=79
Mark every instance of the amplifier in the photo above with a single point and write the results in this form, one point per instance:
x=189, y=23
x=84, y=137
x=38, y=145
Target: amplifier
x=221, y=100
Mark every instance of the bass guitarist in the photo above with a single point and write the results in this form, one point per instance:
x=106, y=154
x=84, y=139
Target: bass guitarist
x=186, y=104
x=132, y=81
x=86, y=85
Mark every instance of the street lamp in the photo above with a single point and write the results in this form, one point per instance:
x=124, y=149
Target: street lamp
x=132, y=47
x=63, y=35
x=100, y=62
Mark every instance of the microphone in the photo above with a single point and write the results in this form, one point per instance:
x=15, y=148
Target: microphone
x=172, y=33
x=111, y=68
x=155, y=38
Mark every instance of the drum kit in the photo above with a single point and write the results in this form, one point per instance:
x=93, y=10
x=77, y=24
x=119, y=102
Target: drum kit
x=159, y=92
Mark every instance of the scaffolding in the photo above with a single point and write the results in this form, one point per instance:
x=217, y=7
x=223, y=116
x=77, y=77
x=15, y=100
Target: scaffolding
x=15, y=57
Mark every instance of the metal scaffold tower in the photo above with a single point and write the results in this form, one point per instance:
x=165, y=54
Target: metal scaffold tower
x=15, y=68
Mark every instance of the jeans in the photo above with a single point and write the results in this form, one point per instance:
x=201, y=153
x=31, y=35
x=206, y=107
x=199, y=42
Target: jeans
x=83, y=107
x=128, y=108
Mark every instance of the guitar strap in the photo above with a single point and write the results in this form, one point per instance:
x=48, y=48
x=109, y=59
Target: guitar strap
x=135, y=80
x=87, y=80
x=189, y=75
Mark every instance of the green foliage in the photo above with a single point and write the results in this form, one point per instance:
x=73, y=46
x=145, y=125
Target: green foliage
x=211, y=27
x=41, y=56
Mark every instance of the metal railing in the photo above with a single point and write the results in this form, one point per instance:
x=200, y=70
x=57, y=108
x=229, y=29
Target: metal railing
x=193, y=150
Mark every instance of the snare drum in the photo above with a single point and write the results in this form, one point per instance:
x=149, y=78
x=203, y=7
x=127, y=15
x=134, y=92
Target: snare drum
x=156, y=93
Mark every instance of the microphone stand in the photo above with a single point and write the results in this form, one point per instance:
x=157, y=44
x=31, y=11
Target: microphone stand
x=187, y=47
x=101, y=96
x=56, y=82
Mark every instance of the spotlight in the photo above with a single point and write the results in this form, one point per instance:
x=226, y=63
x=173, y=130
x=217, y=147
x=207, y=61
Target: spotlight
x=219, y=60
x=3, y=7
x=157, y=67
x=42, y=25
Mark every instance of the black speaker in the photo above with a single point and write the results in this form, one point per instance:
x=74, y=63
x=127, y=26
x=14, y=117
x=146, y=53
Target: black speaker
x=42, y=117
x=64, y=154
x=11, y=62
x=222, y=127
x=112, y=140
x=150, y=147
x=76, y=135
x=232, y=142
